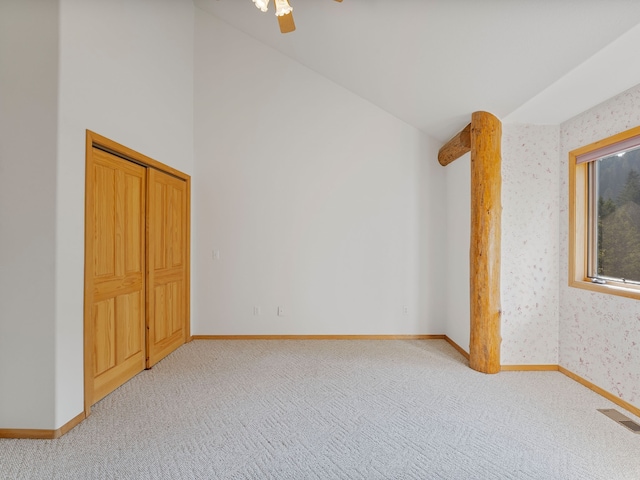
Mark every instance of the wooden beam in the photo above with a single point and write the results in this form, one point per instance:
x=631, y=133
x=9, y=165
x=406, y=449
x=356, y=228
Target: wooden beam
x=486, y=210
x=456, y=147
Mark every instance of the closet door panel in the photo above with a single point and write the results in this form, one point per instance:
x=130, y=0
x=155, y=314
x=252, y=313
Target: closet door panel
x=116, y=219
x=167, y=315
x=104, y=328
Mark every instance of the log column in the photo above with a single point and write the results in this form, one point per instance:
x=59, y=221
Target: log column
x=484, y=253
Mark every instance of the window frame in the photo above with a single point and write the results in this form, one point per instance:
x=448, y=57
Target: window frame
x=579, y=218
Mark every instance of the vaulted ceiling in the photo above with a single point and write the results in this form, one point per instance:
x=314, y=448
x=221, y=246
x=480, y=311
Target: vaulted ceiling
x=431, y=63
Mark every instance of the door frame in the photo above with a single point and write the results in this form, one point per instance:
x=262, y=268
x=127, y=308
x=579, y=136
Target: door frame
x=103, y=143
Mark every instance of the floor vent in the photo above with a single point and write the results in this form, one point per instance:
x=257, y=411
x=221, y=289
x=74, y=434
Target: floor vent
x=623, y=420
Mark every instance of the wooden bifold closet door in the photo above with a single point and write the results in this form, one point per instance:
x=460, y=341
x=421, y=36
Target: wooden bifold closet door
x=166, y=254
x=136, y=265
x=117, y=271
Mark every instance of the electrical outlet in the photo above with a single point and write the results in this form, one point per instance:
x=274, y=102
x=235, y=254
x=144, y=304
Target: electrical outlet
x=215, y=254
x=281, y=311
x=257, y=311
x=405, y=310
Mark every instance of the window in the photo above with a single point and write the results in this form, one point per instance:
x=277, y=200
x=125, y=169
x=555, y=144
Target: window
x=604, y=215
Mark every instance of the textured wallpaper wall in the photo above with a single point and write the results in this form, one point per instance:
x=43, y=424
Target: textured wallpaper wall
x=599, y=333
x=529, y=280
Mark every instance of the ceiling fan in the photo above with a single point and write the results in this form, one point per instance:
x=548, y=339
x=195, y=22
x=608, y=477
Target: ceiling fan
x=283, y=12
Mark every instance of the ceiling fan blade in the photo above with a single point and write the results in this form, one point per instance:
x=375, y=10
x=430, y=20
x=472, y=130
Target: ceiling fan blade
x=286, y=23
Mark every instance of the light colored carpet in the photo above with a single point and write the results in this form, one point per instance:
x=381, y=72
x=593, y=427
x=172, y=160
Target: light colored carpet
x=334, y=410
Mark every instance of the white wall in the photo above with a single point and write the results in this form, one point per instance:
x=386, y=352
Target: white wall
x=126, y=72
x=458, y=209
x=28, y=110
x=530, y=223
x=317, y=200
x=599, y=333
